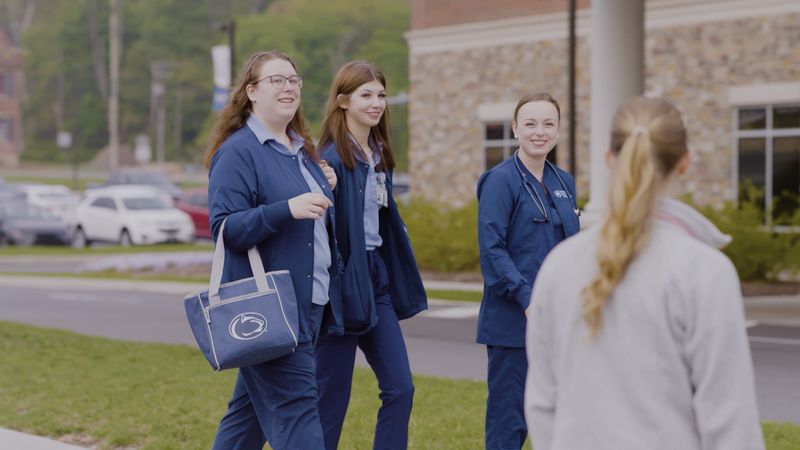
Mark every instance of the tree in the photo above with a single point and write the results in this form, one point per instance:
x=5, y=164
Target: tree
x=322, y=35
x=66, y=60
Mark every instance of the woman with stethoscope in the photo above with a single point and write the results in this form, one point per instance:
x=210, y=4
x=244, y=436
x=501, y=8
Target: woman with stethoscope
x=526, y=206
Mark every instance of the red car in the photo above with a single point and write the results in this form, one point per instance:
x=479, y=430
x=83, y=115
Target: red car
x=195, y=203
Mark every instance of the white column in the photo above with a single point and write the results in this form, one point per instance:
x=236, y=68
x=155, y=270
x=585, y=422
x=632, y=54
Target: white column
x=617, y=73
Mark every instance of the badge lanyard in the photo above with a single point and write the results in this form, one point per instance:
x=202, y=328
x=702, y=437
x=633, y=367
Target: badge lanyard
x=381, y=193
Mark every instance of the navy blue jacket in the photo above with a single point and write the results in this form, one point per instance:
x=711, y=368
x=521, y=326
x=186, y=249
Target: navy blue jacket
x=513, y=246
x=405, y=284
x=250, y=184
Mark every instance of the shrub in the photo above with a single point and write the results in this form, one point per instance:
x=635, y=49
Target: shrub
x=444, y=239
x=759, y=252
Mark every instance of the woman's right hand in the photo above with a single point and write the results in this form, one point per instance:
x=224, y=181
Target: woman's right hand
x=310, y=205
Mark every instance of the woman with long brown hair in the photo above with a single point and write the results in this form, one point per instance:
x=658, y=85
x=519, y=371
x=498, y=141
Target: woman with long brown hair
x=266, y=185
x=636, y=335
x=380, y=283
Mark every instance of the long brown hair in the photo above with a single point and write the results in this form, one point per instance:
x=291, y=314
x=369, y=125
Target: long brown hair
x=334, y=127
x=239, y=107
x=649, y=139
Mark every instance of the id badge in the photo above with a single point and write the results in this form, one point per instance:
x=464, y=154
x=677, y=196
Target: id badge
x=382, y=196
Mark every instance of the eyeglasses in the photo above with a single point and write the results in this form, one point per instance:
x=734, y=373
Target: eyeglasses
x=278, y=81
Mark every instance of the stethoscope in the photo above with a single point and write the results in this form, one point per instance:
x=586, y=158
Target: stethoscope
x=537, y=200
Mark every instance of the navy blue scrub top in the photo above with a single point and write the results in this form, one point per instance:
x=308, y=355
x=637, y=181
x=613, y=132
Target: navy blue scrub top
x=553, y=216
x=514, y=239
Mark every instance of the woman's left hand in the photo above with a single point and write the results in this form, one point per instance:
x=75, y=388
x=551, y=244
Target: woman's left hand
x=329, y=173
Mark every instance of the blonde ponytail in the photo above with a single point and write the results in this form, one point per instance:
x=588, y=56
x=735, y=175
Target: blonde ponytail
x=648, y=139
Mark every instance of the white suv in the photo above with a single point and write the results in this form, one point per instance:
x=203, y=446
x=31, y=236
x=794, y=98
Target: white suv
x=130, y=215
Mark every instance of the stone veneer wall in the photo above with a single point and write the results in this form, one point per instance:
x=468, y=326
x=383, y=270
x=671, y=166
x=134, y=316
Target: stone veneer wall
x=445, y=148
x=693, y=66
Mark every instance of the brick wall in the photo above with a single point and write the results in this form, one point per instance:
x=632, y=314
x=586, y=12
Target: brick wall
x=437, y=13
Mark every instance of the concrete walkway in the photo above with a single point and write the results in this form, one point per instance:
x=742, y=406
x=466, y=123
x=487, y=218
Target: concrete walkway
x=14, y=440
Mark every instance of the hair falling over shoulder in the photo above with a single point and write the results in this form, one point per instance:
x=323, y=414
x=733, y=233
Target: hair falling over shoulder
x=334, y=126
x=235, y=113
x=648, y=139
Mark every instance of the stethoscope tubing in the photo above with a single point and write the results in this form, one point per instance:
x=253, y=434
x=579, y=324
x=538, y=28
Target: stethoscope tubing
x=537, y=200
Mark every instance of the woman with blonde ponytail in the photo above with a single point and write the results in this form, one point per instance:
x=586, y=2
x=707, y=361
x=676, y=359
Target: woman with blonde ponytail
x=636, y=336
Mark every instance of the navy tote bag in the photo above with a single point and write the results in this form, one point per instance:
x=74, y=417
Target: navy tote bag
x=247, y=321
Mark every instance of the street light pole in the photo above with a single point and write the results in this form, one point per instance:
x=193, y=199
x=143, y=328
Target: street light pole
x=573, y=167
x=231, y=43
x=114, y=54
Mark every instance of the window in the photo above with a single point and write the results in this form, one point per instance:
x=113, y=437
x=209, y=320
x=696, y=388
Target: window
x=6, y=129
x=104, y=202
x=499, y=143
x=768, y=156
x=199, y=200
x=7, y=84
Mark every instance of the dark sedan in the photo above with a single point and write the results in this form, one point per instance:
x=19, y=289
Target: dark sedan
x=24, y=224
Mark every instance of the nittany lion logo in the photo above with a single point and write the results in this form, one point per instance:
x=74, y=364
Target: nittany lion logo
x=247, y=326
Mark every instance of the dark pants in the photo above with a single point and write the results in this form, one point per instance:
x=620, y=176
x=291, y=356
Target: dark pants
x=505, y=414
x=275, y=401
x=386, y=354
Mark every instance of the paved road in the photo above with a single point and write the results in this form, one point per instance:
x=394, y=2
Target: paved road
x=440, y=340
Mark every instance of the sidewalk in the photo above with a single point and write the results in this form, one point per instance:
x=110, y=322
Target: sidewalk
x=14, y=440
x=781, y=310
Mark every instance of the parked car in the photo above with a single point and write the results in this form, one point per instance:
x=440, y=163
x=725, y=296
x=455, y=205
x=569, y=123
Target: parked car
x=59, y=200
x=130, y=215
x=400, y=187
x=195, y=203
x=24, y=224
x=146, y=178
x=8, y=192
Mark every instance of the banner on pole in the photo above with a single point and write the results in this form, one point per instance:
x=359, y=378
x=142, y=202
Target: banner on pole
x=221, y=59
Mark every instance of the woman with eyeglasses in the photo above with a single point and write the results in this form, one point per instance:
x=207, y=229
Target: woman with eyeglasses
x=526, y=206
x=637, y=337
x=380, y=283
x=266, y=183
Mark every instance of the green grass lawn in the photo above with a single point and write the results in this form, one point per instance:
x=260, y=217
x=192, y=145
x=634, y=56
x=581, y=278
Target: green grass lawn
x=122, y=394
x=103, y=250
x=82, y=182
x=467, y=296
x=66, y=181
x=97, y=391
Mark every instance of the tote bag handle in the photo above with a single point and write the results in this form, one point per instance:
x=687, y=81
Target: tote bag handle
x=256, y=265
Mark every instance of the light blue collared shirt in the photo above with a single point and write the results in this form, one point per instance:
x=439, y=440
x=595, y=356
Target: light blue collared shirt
x=322, y=250
x=372, y=235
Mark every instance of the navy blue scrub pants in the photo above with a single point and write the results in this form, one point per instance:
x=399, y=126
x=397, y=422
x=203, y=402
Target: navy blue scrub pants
x=505, y=414
x=275, y=401
x=386, y=354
